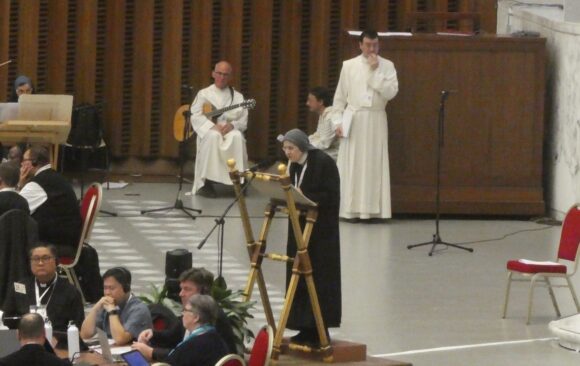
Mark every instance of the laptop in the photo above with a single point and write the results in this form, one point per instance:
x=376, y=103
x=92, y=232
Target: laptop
x=134, y=358
x=8, y=342
x=105, y=346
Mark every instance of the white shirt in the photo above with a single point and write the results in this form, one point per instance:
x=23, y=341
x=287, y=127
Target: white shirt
x=34, y=193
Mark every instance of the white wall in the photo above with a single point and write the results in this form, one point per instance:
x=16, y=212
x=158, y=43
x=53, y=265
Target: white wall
x=562, y=163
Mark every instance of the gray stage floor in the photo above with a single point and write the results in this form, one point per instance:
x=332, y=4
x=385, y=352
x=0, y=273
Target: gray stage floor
x=405, y=305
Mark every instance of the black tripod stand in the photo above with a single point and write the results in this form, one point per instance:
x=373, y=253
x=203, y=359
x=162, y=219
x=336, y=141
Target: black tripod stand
x=220, y=223
x=178, y=205
x=440, y=142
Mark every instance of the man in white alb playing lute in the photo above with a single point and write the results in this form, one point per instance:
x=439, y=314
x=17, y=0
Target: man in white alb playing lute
x=219, y=140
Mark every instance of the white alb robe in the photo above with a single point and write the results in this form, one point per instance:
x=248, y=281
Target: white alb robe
x=363, y=157
x=324, y=138
x=213, y=149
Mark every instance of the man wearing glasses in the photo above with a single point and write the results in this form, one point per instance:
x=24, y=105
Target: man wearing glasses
x=44, y=293
x=219, y=140
x=52, y=201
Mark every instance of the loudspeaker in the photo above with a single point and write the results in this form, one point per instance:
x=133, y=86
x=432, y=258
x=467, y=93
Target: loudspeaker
x=173, y=289
x=177, y=261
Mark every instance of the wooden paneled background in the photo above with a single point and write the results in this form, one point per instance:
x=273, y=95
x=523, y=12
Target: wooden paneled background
x=134, y=55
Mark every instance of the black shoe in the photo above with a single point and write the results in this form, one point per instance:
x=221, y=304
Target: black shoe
x=207, y=191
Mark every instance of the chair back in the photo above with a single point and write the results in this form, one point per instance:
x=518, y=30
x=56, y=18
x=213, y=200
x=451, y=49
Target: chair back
x=90, y=206
x=231, y=360
x=18, y=234
x=262, y=349
x=570, y=237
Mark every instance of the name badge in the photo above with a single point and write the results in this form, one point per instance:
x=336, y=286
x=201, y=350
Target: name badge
x=19, y=288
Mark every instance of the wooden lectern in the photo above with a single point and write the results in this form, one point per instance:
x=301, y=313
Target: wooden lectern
x=283, y=198
x=44, y=119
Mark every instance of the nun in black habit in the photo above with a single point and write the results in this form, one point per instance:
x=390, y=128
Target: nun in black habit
x=315, y=174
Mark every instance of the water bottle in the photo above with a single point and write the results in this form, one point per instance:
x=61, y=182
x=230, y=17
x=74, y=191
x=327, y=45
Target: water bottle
x=72, y=336
x=48, y=330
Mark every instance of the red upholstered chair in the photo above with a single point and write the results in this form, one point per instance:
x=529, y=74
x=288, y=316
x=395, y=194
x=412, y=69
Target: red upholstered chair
x=90, y=206
x=231, y=360
x=533, y=271
x=262, y=349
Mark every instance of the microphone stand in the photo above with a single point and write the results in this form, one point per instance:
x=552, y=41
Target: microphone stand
x=220, y=222
x=440, y=142
x=178, y=205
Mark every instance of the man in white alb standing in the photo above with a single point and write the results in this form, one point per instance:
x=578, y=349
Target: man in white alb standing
x=218, y=141
x=367, y=82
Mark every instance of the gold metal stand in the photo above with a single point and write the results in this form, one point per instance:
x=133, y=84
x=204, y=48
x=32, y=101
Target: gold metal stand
x=301, y=262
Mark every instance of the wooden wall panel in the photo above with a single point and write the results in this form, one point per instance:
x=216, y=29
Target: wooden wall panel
x=133, y=56
x=4, y=54
x=260, y=67
x=28, y=38
x=56, y=58
x=170, y=73
x=114, y=61
x=141, y=82
x=86, y=51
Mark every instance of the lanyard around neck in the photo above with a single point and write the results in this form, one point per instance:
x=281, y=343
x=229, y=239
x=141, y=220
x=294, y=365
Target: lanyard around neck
x=37, y=291
x=298, y=180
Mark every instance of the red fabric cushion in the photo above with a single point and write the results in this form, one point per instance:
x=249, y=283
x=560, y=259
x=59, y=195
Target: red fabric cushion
x=523, y=267
x=66, y=260
x=260, y=349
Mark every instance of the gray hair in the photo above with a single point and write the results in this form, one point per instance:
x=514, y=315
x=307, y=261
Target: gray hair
x=205, y=307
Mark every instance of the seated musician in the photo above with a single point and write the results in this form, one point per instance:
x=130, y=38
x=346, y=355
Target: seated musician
x=119, y=313
x=218, y=141
x=52, y=201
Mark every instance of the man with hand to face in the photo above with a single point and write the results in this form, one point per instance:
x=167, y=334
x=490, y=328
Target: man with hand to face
x=367, y=82
x=120, y=314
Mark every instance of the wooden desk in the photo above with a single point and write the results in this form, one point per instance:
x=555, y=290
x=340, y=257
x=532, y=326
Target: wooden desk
x=494, y=125
x=92, y=358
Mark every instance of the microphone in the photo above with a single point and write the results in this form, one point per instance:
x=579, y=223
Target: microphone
x=449, y=91
x=185, y=86
x=263, y=164
x=5, y=63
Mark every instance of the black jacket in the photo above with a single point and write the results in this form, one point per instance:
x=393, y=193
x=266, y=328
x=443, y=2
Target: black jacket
x=10, y=200
x=65, y=304
x=33, y=355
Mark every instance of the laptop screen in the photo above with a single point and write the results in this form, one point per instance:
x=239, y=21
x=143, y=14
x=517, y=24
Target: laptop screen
x=8, y=342
x=134, y=358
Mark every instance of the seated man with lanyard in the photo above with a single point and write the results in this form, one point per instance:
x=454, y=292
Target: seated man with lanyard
x=119, y=313
x=44, y=293
x=156, y=345
x=52, y=201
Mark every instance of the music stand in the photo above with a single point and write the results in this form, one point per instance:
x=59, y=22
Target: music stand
x=178, y=205
x=440, y=142
x=284, y=197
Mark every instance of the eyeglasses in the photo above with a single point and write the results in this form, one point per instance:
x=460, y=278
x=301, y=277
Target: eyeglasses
x=186, y=311
x=43, y=259
x=222, y=74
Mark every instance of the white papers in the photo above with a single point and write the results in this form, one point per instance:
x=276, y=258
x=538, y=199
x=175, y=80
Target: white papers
x=382, y=34
x=346, y=121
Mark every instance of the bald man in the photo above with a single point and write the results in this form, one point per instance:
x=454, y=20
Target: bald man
x=222, y=138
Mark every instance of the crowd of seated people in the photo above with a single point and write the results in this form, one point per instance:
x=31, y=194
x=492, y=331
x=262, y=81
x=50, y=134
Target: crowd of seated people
x=202, y=334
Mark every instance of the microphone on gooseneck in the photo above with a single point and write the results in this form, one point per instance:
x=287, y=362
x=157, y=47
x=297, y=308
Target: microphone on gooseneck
x=264, y=164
